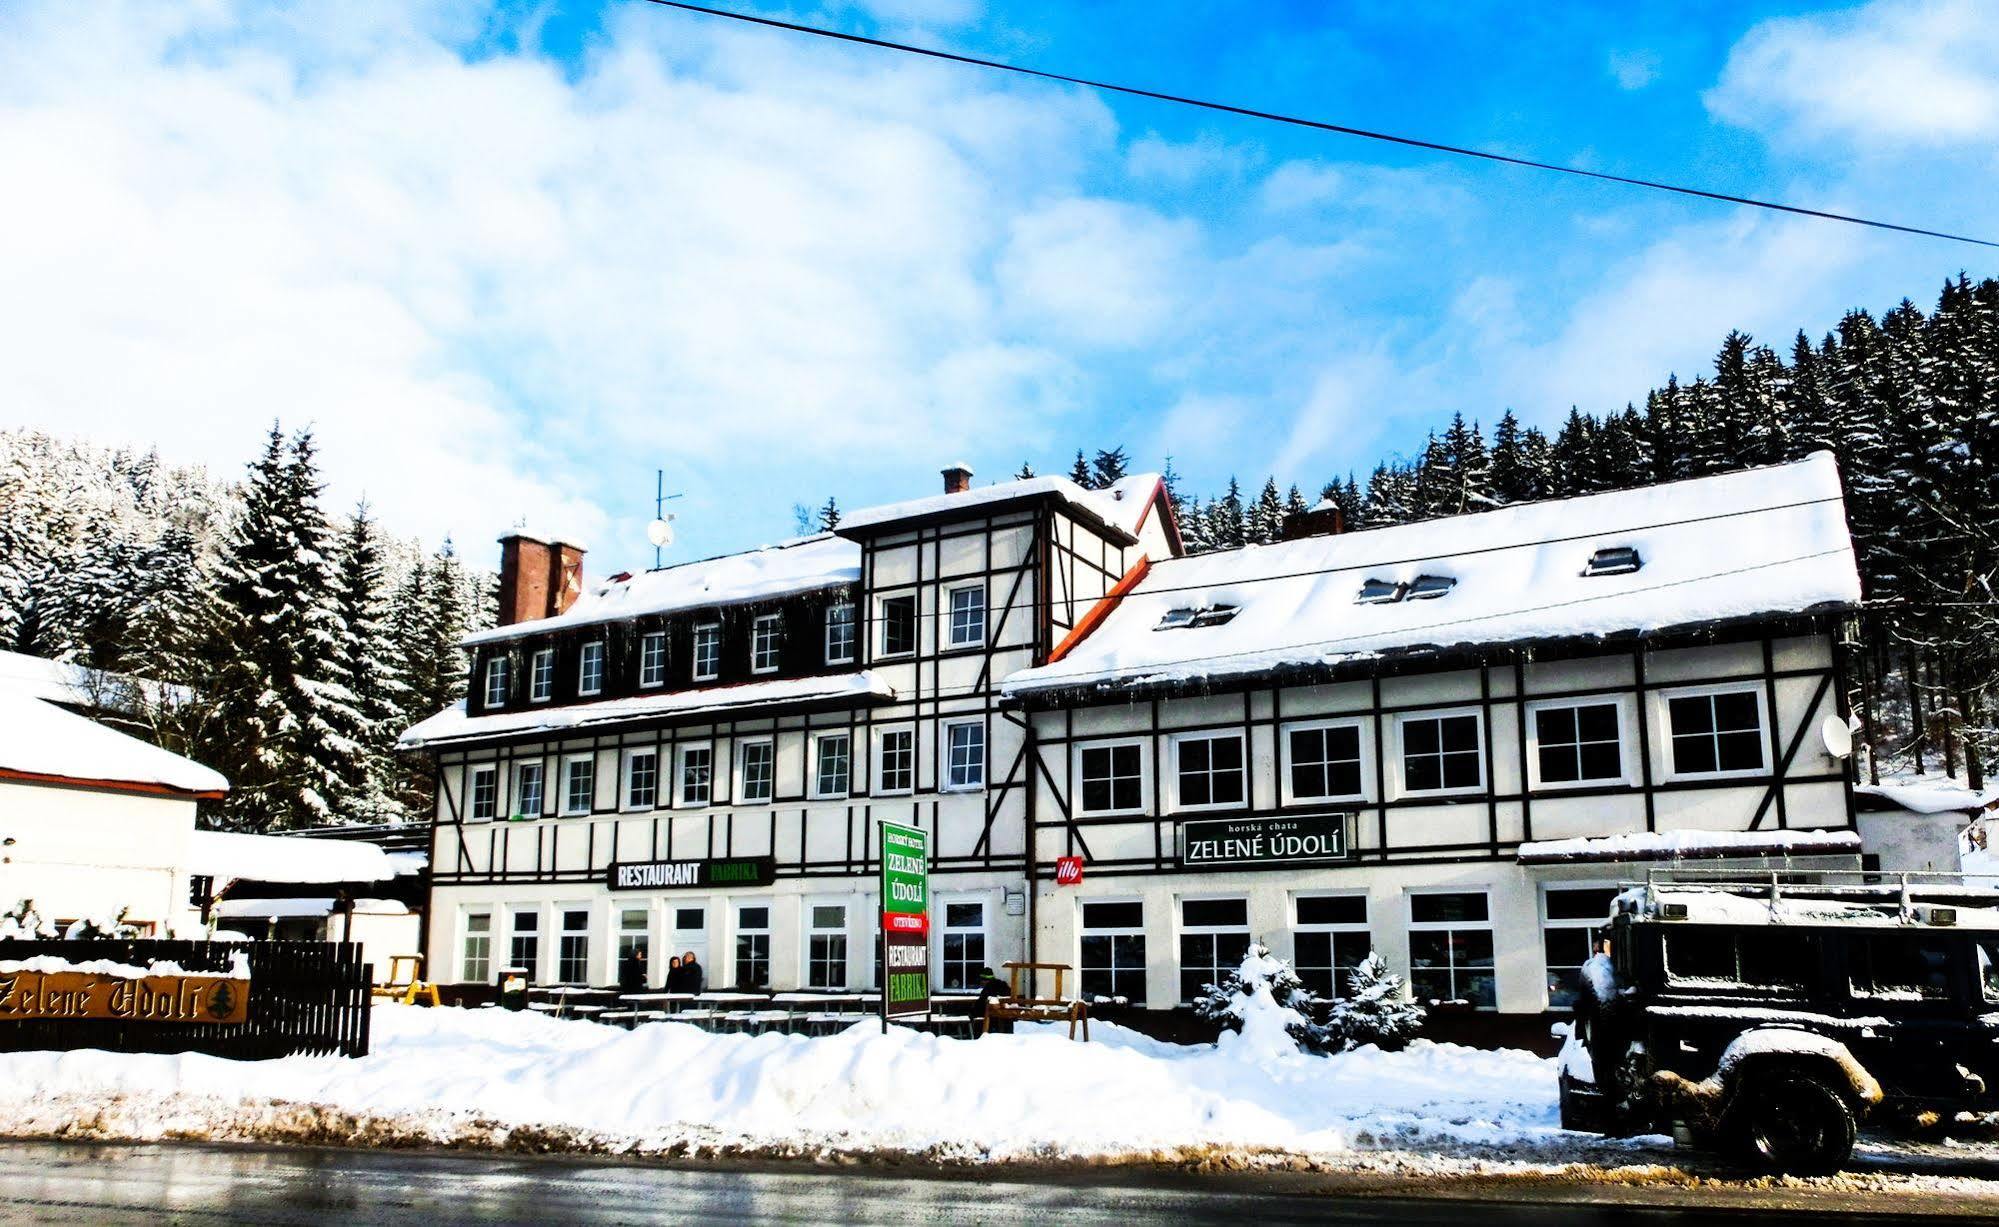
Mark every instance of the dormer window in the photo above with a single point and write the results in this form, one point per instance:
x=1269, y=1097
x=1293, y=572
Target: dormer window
x=652, y=659
x=707, y=652
x=1614, y=560
x=590, y=669
x=1429, y=587
x=496, y=682
x=763, y=644
x=1192, y=616
x=541, y=676
x=1378, y=592
x=840, y=633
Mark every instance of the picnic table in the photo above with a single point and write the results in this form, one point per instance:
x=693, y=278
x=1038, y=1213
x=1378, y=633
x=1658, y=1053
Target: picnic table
x=1018, y=1006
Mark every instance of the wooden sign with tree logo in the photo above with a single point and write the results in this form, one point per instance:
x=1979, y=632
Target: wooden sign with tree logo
x=35, y=995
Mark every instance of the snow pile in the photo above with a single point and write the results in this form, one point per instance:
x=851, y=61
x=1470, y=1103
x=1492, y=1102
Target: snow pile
x=1932, y=794
x=1122, y=505
x=1760, y=541
x=41, y=739
x=1033, y=1094
x=230, y=856
x=50, y=964
x=1673, y=844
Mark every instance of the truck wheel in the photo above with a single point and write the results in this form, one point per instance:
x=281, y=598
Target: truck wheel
x=1795, y=1124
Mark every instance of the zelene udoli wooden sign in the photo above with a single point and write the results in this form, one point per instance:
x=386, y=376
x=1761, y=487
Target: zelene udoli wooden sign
x=27, y=996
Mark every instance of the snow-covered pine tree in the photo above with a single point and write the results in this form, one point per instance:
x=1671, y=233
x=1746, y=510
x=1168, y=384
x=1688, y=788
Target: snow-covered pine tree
x=1108, y=468
x=370, y=663
x=1575, y=456
x=1265, y=520
x=1512, y=482
x=1194, y=527
x=1026, y=471
x=1265, y=1002
x=1226, y=524
x=1470, y=468
x=1080, y=471
x=1294, y=501
x=1374, y=1009
x=829, y=515
x=1434, y=481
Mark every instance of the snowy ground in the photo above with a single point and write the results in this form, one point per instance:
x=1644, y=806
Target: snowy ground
x=489, y=1078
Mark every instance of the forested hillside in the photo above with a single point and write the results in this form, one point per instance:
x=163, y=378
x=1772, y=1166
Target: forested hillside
x=1909, y=403
x=301, y=643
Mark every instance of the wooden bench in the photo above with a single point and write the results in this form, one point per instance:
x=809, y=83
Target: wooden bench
x=408, y=990
x=1018, y=1006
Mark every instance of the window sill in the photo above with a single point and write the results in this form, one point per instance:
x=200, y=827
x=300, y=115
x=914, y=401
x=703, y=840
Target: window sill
x=954, y=790
x=1440, y=794
x=1715, y=777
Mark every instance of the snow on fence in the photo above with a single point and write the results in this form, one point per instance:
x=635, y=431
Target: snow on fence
x=305, y=997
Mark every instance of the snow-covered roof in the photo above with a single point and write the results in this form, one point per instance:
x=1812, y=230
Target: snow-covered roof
x=73, y=685
x=1931, y=796
x=453, y=724
x=1970, y=905
x=41, y=741
x=802, y=565
x=231, y=856
x=1764, y=541
x=312, y=906
x=1122, y=505
x=1684, y=844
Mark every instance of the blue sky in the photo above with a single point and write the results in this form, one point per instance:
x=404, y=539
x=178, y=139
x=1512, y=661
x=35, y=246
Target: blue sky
x=508, y=260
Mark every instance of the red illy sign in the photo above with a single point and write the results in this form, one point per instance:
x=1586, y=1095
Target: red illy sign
x=1068, y=870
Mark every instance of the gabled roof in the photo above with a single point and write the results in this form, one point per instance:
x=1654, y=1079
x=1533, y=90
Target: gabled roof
x=1761, y=542
x=1120, y=507
x=42, y=743
x=805, y=564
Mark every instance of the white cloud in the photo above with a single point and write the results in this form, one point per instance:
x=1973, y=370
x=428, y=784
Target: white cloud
x=1919, y=71
x=1634, y=70
x=1099, y=272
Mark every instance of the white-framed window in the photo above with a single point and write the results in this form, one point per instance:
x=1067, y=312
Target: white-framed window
x=641, y=779
x=483, y=795
x=1325, y=760
x=572, y=949
x=1214, y=937
x=1208, y=771
x=1570, y=917
x=1112, y=950
x=528, y=789
x=1329, y=938
x=1441, y=751
x=1450, y=948
x=475, y=960
x=1715, y=731
x=707, y=652
x=1574, y=743
x=541, y=676
x=652, y=659
x=840, y=633
x=897, y=615
x=964, y=755
x=590, y=668
x=635, y=945
x=832, y=765
x=696, y=773
x=962, y=948
x=895, y=760
x=1110, y=777
x=524, y=941
x=753, y=945
x=756, y=770
x=765, y=634
x=579, y=784
x=967, y=615
x=496, y=682
x=826, y=945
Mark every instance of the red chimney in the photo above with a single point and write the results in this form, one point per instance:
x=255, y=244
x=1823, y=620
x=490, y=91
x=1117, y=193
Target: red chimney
x=1322, y=520
x=538, y=579
x=957, y=477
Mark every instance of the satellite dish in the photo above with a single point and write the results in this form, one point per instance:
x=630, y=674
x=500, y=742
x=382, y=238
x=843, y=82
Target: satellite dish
x=660, y=532
x=1837, y=736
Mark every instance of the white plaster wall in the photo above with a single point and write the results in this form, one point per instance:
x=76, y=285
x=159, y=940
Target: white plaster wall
x=83, y=852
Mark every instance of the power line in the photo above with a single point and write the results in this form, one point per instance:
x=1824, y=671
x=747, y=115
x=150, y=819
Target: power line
x=1316, y=124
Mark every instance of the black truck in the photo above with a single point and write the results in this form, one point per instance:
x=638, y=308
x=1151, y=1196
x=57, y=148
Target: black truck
x=1771, y=1018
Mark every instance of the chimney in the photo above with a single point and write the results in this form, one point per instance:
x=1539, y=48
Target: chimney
x=1321, y=520
x=538, y=579
x=957, y=477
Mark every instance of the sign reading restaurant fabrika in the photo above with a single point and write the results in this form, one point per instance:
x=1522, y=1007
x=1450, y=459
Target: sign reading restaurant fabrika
x=29, y=995
x=905, y=908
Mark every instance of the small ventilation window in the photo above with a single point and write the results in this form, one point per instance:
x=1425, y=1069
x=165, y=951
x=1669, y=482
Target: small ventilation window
x=1430, y=587
x=1378, y=592
x=1617, y=560
x=1189, y=616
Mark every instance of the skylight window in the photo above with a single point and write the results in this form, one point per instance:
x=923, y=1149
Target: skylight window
x=1378, y=592
x=1192, y=616
x=1430, y=587
x=1615, y=560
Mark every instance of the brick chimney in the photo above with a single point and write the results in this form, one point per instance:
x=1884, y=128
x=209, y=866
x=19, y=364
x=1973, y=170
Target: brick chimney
x=538, y=578
x=957, y=477
x=1320, y=520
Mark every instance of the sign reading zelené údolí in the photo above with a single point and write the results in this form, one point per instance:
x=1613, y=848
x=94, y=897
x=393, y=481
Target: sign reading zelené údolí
x=1264, y=841
x=905, y=916
x=34, y=995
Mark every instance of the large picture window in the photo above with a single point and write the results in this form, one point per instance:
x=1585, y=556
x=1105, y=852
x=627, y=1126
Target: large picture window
x=1208, y=770
x=1323, y=762
x=1578, y=743
x=1716, y=732
x=635, y=945
x=1450, y=948
x=1113, y=952
x=1329, y=941
x=1440, y=753
x=572, y=955
x=1214, y=937
x=753, y=946
x=1112, y=778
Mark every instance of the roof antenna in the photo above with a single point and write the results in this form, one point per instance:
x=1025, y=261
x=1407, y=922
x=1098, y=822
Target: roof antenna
x=660, y=531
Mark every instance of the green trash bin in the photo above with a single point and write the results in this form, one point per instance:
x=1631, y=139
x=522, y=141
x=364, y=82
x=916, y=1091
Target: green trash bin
x=514, y=988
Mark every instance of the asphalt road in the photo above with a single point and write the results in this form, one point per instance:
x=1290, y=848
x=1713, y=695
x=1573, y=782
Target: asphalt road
x=112, y=1183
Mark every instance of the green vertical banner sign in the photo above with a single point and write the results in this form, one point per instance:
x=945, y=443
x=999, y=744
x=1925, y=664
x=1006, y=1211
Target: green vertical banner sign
x=905, y=908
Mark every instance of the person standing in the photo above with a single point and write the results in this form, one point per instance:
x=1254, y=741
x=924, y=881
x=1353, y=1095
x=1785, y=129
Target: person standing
x=672, y=984
x=692, y=974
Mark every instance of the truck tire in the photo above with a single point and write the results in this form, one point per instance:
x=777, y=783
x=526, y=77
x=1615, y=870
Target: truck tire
x=1793, y=1123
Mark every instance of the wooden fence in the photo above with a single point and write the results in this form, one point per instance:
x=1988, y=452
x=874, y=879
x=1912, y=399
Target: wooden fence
x=305, y=997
